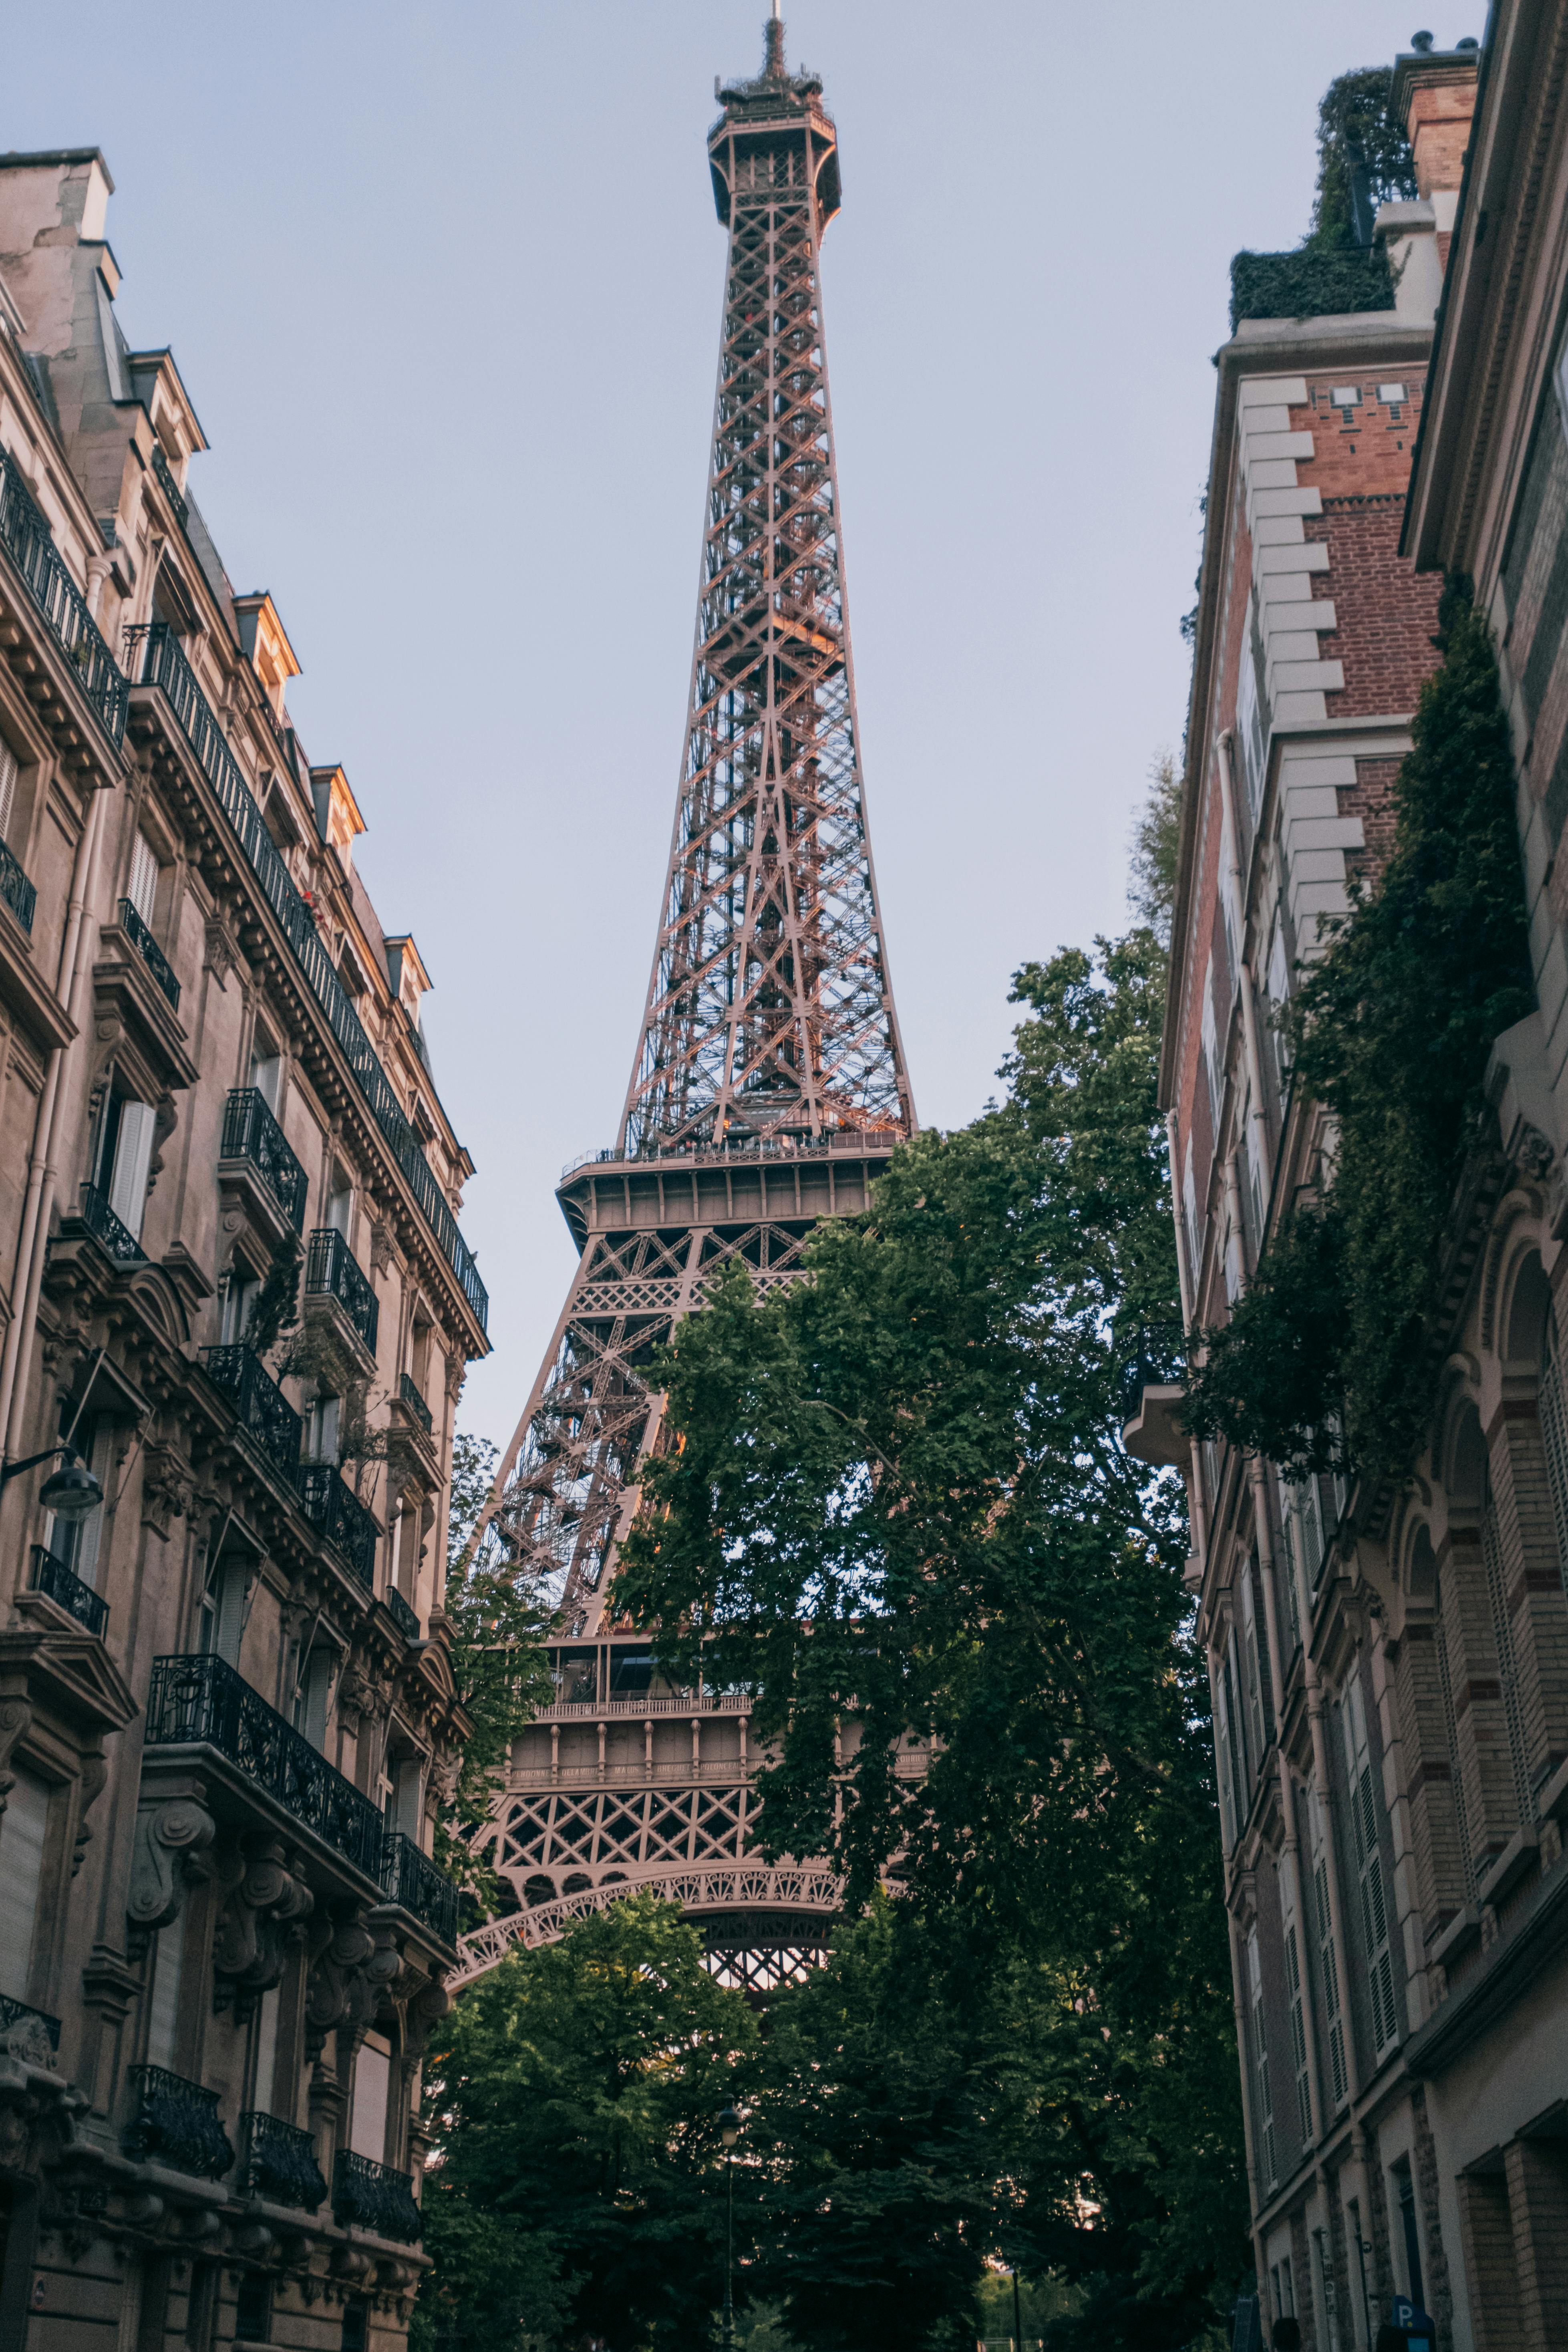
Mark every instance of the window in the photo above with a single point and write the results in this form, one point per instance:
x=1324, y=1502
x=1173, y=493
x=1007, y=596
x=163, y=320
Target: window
x=1258, y=1696
x=1554, y=1436
x=1284, y=2290
x=404, y=1796
x=1296, y=1994
x=164, y=2001
x=1249, y=728
x=1404, y=2193
x=356, y=2320
x=8, y=774
x=373, y=2083
x=340, y=1205
x=123, y=1157
x=1369, y=1868
x=1225, y=1746
x=266, y=1071
x=223, y=1609
x=1393, y=396
x=1328, y=1970
x=142, y=890
x=76, y=1541
x=1508, y=1675
x=24, y=1827
x=1211, y=1052
x=253, y=2308
x=1345, y=395
x=321, y=1419
x=313, y=1695
x=264, y=2050
x=1261, y=2060
x=1451, y=1730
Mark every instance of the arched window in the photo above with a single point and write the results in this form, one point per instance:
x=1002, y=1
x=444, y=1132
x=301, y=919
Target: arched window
x=1554, y=1399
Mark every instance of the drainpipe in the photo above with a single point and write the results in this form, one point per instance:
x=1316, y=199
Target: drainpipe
x=41, y=1172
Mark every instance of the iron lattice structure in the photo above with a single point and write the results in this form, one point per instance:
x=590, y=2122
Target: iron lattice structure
x=769, y=1084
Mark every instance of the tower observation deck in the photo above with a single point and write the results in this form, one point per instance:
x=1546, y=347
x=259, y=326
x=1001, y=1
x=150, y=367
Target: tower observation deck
x=767, y=1092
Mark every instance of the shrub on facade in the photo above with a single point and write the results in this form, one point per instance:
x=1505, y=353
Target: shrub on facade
x=1326, y=1361
x=1363, y=159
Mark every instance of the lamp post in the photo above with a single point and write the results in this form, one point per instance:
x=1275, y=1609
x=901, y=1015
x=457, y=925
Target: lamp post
x=730, y=2132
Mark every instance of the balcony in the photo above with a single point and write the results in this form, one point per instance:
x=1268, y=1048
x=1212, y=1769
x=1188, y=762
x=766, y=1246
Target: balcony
x=179, y=504
x=161, y=664
x=1306, y=283
x=151, y=953
x=402, y=1617
x=414, y=1402
x=332, y=1272
x=252, y=1137
x=27, y=2034
x=1149, y=1374
x=335, y=1512
x=202, y=1702
x=100, y=1220
x=17, y=890
x=258, y=1404
x=176, y=2124
x=413, y=1882
x=55, y=1580
x=27, y=540
x=280, y=2163
x=367, y=2196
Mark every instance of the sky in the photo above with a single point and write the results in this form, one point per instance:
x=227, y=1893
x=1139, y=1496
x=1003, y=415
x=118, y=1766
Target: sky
x=444, y=284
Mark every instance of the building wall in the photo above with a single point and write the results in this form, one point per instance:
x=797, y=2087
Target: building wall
x=227, y=1711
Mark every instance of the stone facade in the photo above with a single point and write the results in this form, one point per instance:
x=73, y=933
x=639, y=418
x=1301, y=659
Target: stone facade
x=1390, y=1676
x=226, y=1708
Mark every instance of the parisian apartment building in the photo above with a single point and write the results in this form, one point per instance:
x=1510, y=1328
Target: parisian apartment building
x=1390, y=1672
x=236, y=1310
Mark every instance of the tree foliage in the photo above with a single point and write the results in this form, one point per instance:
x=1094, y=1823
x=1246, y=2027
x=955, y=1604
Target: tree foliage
x=1365, y=158
x=896, y=1508
x=574, y=2094
x=1321, y=1360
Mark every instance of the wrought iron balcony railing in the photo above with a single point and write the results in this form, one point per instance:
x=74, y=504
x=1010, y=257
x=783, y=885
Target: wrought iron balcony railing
x=22, y=2027
x=17, y=890
x=259, y=1403
x=27, y=539
x=151, y=953
x=415, y=1403
x=160, y=663
x=402, y=1617
x=176, y=2122
x=334, y=1511
x=367, y=2196
x=170, y=487
x=1155, y=1355
x=118, y=1239
x=332, y=1270
x=51, y=1576
x=250, y=1132
x=202, y=1702
x=279, y=2163
x=413, y=1882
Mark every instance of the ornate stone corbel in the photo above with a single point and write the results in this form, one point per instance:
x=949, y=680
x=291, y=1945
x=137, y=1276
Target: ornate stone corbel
x=220, y=956
x=169, y=1856
x=267, y=1906
x=427, y=2005
x=16, y=1715
x=337, y=1988
x=168, y=1490
x=89, y=1787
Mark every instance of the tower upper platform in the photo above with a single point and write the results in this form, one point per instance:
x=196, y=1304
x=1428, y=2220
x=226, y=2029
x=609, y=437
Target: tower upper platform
x=778, y=118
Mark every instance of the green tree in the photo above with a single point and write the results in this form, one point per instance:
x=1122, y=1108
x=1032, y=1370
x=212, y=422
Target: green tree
x=899, y=1508
x=495, y=1624
x=575, y=2186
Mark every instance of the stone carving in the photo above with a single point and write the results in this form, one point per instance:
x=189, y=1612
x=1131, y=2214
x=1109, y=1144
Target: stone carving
x=220, y=955
x=426, y=2008
x=338, y=1992
x=16, y=1715
x=89, y=1786
x=263, y=1915
x=168, y=1858
x=361, y=1696
x=168, y=1491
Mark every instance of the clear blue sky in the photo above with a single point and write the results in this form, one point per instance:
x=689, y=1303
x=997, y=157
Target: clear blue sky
x=444, y=284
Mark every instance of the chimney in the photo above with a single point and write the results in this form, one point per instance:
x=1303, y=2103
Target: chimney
x=1434, y=95
x=51, y=201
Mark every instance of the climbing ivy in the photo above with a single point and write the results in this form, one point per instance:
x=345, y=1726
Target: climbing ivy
x=1325, y=1360
x=1363, y=161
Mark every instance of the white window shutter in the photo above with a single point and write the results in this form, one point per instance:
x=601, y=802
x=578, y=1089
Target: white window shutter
x=132, y=1153
x=24, y=1829
x=373, y=2082
x=144, y=887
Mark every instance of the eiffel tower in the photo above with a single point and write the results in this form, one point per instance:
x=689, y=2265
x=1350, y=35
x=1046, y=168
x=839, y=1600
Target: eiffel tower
x=768, y=1090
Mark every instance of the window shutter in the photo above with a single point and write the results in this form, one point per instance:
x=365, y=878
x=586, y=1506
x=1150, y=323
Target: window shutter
x=22, y=1831
x=132, y=1152
x=143, y=885
x=8, y=773
x=373, y=2080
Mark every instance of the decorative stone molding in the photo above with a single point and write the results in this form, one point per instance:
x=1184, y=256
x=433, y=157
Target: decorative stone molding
x=168, y=1489
x=263, y=1917
x=168, y=1858
x=339, y=1994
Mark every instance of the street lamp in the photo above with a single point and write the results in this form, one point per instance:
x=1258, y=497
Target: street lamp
x=72, y=1493
x=728, y=2132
